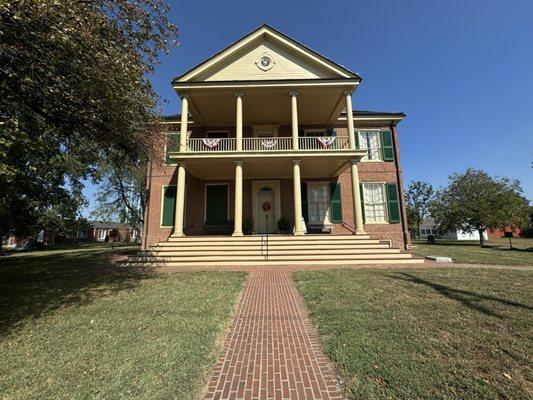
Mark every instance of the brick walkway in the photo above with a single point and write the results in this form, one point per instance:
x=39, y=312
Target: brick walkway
x=271, y=351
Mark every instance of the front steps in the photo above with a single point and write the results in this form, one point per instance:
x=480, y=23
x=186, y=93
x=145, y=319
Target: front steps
x=280, y=250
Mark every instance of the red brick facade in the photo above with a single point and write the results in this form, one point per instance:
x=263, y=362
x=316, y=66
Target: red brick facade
x=160, y=175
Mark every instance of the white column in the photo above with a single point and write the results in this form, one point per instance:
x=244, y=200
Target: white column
x=238, y=199
x=356, y=196
x=294, y=113
x=180, y=201
x=298, y=231
x=238, y=132
x=184, y=119
x=349, y=119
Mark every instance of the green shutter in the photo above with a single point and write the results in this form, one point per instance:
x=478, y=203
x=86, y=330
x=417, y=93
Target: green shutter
x=169, y=206
x=362, y=194
x=386, y=145
x=331, y=132
x=173, y=145
x=305, y=209
x=393, y=203
x=336, y=202
x=216, y=205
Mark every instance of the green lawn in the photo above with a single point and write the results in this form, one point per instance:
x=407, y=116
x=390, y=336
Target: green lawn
x=472, y=253
x=73, y=325
x=426, y=334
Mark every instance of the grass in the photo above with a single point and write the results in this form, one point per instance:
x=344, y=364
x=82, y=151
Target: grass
x=74, y=325
x=470, y=252
x=426, y=334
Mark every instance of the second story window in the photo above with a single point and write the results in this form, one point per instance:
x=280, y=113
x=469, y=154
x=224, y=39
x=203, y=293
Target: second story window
x=370, y=141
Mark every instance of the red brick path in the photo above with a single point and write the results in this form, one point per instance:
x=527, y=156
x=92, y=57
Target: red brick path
x=271, y=351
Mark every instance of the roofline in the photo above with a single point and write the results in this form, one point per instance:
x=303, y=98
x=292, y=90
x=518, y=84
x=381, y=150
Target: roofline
x=267, y=82
x=176, y=79
x=358, y=115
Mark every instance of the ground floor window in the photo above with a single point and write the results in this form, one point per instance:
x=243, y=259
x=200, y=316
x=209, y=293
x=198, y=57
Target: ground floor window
x=375, y=203
x=216, y=204
x=102, y=234
x=318, y=200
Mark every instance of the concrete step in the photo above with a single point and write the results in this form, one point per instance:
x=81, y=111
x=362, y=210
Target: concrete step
x=260, y=237
x=273, y=257
x=237, y=252
x=293, y=243
x=283, y=262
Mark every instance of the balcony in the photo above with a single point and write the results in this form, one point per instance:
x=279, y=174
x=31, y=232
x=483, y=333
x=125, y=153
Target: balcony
x=269, y=144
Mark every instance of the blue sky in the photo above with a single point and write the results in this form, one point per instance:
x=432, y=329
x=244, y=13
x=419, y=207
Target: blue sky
x=462, y=71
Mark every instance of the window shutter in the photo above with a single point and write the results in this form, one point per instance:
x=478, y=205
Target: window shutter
x=362, y=192
x=169, y=206
x=393, y=203
x=386, y=146
x=305, y=209
x=173, y=144
x=356, y=134
x=336, y=202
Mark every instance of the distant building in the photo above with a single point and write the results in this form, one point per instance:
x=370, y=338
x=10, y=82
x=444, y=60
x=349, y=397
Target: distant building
x=429, y=227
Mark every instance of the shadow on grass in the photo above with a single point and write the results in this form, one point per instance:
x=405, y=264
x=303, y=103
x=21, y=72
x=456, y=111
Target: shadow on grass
x=35, y=285
x=466, y=297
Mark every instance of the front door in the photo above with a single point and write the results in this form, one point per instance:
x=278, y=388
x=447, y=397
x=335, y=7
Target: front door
x=266, y=210
x=216, y=204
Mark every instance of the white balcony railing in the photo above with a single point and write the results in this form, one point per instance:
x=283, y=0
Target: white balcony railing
x=265, y=144
x=325, y=143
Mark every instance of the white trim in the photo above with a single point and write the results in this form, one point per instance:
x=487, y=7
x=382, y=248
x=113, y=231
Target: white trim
x=287, y=84
x=162, y=203
x=327, y=219
x=386, y=202
x=265, y=32
x=205, y=198
x=275, y=184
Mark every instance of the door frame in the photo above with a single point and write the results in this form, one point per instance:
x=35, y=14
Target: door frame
x=205, y=198
x=327, y=217
x=275, y=185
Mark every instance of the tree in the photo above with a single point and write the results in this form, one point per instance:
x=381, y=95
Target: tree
x=418, y=196
x=474, y=201
x=122, y=193
x=74, y=91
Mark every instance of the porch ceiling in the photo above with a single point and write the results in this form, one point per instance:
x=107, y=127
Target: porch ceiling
x=216, y=106
x=268, y=167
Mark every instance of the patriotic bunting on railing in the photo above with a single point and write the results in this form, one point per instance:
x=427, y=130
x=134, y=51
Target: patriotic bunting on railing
x=211, y=143
x=325, y=142
x=269, y=143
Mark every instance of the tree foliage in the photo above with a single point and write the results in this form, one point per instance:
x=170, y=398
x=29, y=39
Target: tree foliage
x=418, y=197
x=474, y=201
x=73, y=90
x=122, y=193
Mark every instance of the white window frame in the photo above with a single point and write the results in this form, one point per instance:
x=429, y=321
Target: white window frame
x=362, y=145
x=100, y=231
x=385, y=203
x=327, y=220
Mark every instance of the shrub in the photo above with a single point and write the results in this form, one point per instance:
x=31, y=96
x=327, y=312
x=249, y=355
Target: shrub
x=284, y=225
x=248, y=226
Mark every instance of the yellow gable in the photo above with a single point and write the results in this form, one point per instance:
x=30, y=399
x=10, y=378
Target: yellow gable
x=265, y=60
x=266, y=54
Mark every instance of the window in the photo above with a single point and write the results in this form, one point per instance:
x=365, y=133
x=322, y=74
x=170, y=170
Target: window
x=217, y=135
x=318, y=200
x=102, y=234
x=375, y=202
x=370, y=140
x=313, y=133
